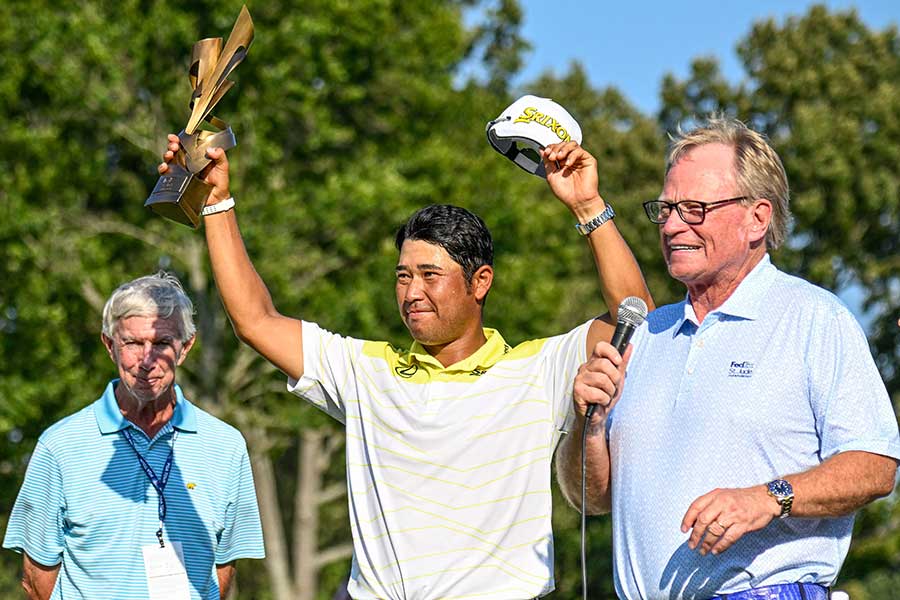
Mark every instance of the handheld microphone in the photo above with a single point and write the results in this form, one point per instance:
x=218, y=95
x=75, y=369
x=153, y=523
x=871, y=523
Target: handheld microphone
x=632, y=312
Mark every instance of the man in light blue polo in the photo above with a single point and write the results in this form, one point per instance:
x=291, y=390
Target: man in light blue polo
x=750, y=422
x=140, y=494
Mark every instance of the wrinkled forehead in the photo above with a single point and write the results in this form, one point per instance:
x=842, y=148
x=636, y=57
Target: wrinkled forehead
x=702, y=173
x=152, y=326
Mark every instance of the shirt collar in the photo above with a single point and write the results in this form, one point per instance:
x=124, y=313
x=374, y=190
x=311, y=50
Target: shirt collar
x=485, y=357
x=111, y=420
x=744, y=303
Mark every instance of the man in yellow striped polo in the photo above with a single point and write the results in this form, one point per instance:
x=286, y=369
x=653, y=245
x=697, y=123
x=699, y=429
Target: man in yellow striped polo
x=449, y=443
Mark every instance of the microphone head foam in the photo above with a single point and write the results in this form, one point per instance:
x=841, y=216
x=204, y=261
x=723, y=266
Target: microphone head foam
x=632, y=310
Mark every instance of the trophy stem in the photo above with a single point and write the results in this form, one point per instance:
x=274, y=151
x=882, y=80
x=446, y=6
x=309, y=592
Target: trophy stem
x=180, y=194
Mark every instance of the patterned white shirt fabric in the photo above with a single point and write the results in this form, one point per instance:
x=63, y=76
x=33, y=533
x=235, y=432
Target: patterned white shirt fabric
x=449, y=469
x=774, y=382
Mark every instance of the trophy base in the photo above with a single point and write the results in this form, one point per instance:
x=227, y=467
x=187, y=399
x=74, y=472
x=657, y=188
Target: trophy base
x=179, y=196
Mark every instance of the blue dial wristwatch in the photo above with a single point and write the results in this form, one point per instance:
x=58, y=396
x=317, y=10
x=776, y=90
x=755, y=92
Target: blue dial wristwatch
x=783, y=493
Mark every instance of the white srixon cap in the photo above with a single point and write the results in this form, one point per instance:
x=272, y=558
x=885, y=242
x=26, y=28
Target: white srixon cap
x=527, y=126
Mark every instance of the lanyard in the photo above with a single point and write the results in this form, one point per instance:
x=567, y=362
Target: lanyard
x=158, y=483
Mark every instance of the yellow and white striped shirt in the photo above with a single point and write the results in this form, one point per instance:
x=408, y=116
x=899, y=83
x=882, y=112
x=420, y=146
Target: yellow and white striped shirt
x=449, y=468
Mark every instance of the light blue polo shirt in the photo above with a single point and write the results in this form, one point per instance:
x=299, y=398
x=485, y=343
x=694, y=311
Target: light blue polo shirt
x=86, y=502
x=774, y=382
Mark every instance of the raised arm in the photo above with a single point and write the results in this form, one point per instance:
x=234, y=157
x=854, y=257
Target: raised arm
x=245, y=296
x=572, y=176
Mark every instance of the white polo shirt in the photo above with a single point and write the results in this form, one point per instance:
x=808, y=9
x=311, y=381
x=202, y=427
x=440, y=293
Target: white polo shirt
x=773, y=382
x=449, y=469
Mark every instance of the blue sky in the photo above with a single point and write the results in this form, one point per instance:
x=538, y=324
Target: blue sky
x=632, y=44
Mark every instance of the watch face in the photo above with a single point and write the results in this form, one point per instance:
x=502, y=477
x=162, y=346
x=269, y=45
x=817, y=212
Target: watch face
x=780, y=488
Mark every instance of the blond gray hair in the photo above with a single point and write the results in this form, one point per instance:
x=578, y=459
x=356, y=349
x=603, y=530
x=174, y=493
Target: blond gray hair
x=159, y=295
x=758, y=168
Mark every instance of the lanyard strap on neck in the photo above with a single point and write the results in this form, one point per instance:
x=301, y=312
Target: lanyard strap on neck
x=158, y=483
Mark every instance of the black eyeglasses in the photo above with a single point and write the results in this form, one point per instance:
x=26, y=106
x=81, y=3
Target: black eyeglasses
x=692, y=212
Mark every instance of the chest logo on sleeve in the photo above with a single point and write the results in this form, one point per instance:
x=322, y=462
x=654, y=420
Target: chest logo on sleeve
x=741, y=369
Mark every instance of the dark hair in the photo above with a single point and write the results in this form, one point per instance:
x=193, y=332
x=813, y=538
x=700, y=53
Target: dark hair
x=461, y=233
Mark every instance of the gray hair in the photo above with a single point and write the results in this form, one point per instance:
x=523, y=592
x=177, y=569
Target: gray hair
x=159, y=295
x=758, y=168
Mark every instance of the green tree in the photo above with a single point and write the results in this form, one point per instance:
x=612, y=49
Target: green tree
x=349, y=116
x=825, y=89
x=331, y=109
x=348, y=119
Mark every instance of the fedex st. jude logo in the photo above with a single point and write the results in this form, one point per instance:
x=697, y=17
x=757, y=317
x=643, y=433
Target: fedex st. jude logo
x=531, y=114
x=741, y=369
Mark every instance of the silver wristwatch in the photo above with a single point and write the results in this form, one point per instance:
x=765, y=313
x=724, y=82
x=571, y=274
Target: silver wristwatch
x=606, y=215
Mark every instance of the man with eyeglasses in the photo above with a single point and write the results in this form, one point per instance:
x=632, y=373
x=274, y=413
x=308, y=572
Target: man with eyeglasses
x=747, y=423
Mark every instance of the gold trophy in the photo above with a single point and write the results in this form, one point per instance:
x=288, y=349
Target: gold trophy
x=180, y=195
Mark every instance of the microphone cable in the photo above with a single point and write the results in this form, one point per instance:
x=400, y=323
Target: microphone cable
x=632, y=312
x=583, y=503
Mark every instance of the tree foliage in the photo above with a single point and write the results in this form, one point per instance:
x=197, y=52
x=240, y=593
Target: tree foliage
x=826, y=89
x=349, y=116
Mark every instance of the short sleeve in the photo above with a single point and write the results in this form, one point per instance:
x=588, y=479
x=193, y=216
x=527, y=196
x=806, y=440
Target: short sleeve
x=564, y=355
x=328, y=364
x=242, y=532
x=37, y=519
x=848, y=397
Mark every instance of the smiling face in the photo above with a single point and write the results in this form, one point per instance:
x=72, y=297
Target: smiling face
x=146, y=351
x=436, y=303
x=712, y=258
